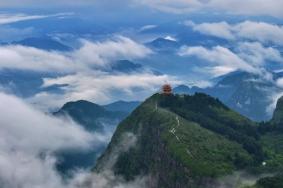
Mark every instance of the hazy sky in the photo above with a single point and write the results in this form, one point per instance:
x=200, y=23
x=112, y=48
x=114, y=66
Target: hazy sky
x=247, y=7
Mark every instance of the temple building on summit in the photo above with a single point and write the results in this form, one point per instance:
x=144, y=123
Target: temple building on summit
x=166, y=89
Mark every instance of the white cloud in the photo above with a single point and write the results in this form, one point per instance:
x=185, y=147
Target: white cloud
x=214, y=71
x=44, y=3
x=177, y=6
x=102, y=87
x=28, y=58
x=147, y=27
x=8, y=34
x=90, y=55
x=81, y=71
x=99, y=53
x=28, y=139
x=250, y=57
x=221, y=29
x=257, y=55
x=106, y=177
x=258, y=31
x=168, y=37
x=222, y=58
x=248, y=7
x=27, y=130
x=261, y=31
x=279, y=82
x=12, y=18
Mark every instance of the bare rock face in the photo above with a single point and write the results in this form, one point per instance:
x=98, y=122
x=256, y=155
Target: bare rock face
x=278, y=113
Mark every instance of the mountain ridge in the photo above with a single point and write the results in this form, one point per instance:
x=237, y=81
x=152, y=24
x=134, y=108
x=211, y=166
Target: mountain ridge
x=246, y=93
x=96, y=120
x=196, y=152
x=88, y=114
x=44, y=43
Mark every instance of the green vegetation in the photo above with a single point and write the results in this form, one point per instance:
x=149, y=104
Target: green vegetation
x=192, y=140
x=269, y=182
x=211, y=114
x=272, y=139
x=93, y=118
x=89, y=114
x=204, y=152
x=272, y=144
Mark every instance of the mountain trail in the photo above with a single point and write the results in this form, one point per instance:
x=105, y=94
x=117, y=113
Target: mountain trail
x=173, y=130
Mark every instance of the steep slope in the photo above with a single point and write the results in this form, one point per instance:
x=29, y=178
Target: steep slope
x=183, y=141
x=93, y=118
x=272, y=139
x=278, y=113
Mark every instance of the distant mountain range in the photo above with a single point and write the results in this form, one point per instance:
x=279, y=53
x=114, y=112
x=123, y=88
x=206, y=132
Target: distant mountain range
x=163, y=44
x=25, y=83
x=44, y=43
x=122, y=106
x=89, y=115
x=246, y=93
x=126, y=66
x=181, y=141
x=184, y=35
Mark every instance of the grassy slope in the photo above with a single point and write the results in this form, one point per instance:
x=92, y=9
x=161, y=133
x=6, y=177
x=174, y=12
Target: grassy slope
x=211, y=114
x=202, y=151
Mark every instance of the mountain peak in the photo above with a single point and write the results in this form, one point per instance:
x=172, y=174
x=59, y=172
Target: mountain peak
x=89, y=114
x=183, y=140
x=81, y=103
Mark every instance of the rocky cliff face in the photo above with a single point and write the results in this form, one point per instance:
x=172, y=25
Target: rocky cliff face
x=278, y=113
